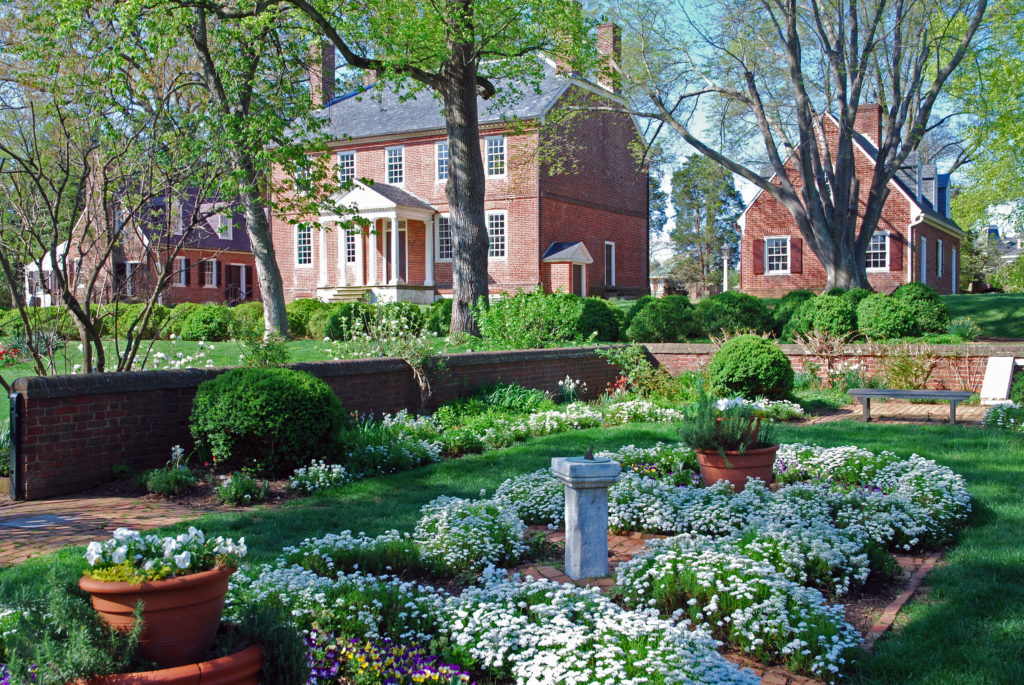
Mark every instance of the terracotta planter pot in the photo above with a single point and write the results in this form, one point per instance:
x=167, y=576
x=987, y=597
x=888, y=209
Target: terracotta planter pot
x=240, y=668
x=754, y=464
x=180, y=615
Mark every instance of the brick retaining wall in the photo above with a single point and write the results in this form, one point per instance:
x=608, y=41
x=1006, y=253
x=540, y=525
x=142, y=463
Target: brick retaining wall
x=73, y=430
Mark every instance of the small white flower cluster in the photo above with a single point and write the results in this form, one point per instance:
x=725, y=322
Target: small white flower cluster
x=570, y=390
x=744, y=601
x=1006, y=416
x=544, y=632
x=779, y=410
x=639, y=411
x=187, y=553
x=321, y=554
x=319, y=475
x=180, y=360
x=466, y=535
x=536, y=498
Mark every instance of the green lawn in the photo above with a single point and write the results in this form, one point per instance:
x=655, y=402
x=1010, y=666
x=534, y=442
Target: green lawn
x=999, y=315
x=969, y=629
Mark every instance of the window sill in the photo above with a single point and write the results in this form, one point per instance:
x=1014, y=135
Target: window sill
x=777, y=273
x=878, y=270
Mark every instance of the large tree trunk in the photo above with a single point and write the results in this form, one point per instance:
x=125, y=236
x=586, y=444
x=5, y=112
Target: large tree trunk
x=275, y=318
x=844, y=267
x=466, y=185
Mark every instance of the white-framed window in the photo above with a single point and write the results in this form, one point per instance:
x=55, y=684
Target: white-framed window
x=130, y=268
x=609, y=263
x=350, y=248
x=877, y=257
x=441, y=155
x=303, y=178
x=496, y=237
x=395, y=162
x=210, y=273
x=227, y=221
x=346, y=165
x=445, y=245
x=776, y=255
x=494, y=155
x=180, y=278
x=303, y=245
x=924, y=260
x=938, y=257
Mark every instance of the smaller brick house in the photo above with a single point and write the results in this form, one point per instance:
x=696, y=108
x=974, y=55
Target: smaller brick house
x=915, y=240
x=580, y=226
x=214, y=262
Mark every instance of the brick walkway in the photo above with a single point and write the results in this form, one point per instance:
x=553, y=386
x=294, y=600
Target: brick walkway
x=899, y=411
x=28, y=529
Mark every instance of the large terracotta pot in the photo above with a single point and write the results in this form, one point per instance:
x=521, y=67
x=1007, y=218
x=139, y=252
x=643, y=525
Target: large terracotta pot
x=241, y=668
x=180, y=615
x=736, y=467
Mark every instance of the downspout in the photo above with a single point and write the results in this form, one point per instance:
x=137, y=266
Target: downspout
x=17, y=405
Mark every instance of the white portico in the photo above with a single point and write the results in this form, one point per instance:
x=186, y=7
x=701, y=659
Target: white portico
x=393, y=259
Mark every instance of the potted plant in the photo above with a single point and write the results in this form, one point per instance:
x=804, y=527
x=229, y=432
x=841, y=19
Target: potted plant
x=732, y=444
x=180, y=581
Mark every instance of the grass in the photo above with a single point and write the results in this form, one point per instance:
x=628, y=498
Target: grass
x=998, y=315
x=968, y=629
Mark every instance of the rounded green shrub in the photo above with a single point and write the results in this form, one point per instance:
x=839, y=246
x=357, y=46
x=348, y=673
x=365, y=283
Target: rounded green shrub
x=883, y=318
x=345, y=319
x=268, y=421
x=930, y=314
x=802, y=320
x=837, y=292
x=130, y=314
x=600, y=316
x=209, y=322
x=529, y=320
x=856, y=295
x=439, y=317
x=248, y=320
x=299, y=312
x=179, y=313
x=316, y=327
x=409, y=314
x=638, y=306
x=732, y=311
x=784, y=309
x=751, y=366
x=670, y=319
x=835, y=315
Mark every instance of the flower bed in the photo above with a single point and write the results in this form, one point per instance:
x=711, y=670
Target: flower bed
x=1007, y=416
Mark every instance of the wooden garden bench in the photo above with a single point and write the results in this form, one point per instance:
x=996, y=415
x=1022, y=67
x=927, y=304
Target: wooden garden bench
x=954, y=397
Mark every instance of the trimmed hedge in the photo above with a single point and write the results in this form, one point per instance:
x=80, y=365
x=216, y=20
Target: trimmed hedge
x=638, y=306
x=439, y=317
x=833, y=314
x=209, y=322
x=855, y=296
x=299, y=311
x=179, y=313
x=670, y=319
x=882, y=318
x=529, y=320
x=802, y=320
x=248, y=319
x=787, y=306
x=268, y=421
x=600, y=316
x=751, y=366
x=930, y=314
x=732, y=311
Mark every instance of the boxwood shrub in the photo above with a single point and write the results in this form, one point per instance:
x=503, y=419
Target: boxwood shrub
x=833, y=314
x=268, y=421
x=930, y=314
x=883, y=318
x=637, y=307
x=248, y=320
x=439, y=317
x=299, y=312
x=856, y=295
x=751, y=366
x=210, y=322
x=787, y=306
x=345, y=319
x=128, y=314
x=600, y=316
x=732, y=311
x=179, y=313
x=802, y=320
x=529, y=320
x=670, y=319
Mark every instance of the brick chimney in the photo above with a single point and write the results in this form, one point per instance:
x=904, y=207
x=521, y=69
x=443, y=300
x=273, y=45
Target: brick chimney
x=321, y=72
x=609, y=46
x=869, y=122
x=369, y=77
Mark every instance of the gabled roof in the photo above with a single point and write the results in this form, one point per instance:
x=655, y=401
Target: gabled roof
x=575, y=252
x=380, y=110
x=400, y=197
x=365, y=199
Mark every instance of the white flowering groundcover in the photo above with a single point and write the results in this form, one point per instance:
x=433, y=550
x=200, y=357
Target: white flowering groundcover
x=1006, y=416
x=759, y=570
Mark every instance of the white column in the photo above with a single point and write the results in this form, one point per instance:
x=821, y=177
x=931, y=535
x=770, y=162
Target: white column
x=243, y=298
x=429, y=240
x=343, y=256
x=394, y=249
x=373, y=253
x=360, y=256
x=322, y=280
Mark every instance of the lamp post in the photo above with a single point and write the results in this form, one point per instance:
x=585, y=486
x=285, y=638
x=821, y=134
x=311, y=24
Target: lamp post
x=726, y=251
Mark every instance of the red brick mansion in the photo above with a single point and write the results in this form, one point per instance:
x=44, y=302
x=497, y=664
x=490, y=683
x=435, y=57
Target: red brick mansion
x=916, y=240
x=580, y=227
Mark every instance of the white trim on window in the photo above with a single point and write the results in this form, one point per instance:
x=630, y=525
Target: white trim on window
x=954, y=273
x=441, y=159
x=227, y=222
x=876, y=237
x=180, y=275
x=129, y=272
x=394, y=165
x=495, y=157
x=768, y=271
x=210, y=273
x=497, y=234
x=350, y=248
x=444, y=239
x=303, y=246
x=938, y=258
x=609, y=274
x=922, y=255
x=346, y=165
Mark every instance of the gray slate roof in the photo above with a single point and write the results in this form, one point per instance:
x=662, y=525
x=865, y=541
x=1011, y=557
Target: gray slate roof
x=400, y=197
x=378, y=111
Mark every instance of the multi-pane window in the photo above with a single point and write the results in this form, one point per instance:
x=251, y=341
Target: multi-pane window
x=346, y=166
x=396, y=165
x=609, y=263
x=350, y=248
x=938, y=257
x=494, y=155
x=303, y=245
x=210, y=273
x=496, y=235
x=226, y=221
x=776, y=255
x=877, y=256
x=444, y=239
x=441, y=152
x=180, y=271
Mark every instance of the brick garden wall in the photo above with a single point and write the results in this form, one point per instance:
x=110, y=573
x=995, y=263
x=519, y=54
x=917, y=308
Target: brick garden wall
x=73, y=430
